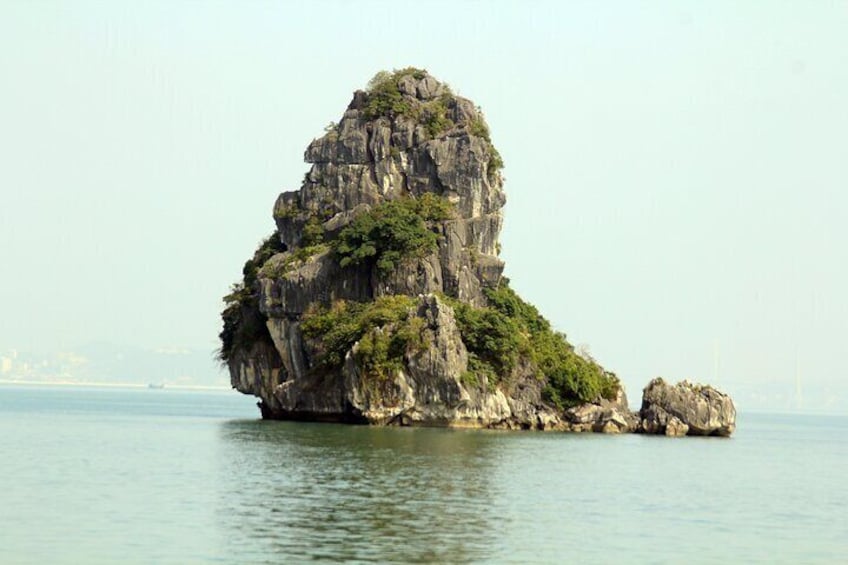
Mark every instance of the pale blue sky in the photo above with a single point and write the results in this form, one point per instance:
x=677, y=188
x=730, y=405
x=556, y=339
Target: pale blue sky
x=676, y=171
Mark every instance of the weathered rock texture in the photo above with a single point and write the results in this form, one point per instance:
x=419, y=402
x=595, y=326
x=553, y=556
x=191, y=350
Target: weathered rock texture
x=360, y=163
x=686, y=409
x=438, y=144
x=607, y=416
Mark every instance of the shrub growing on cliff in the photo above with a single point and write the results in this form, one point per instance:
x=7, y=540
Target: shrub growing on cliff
x=291, y=261
x=495, y=163
x=571, y=378
x=385, y=329
x=434, y=115
x=494, y=340
x=386, y=100
x=392, y=232
x=244, y=325
x=510, y=331
x=313, y=232
x=479, y=128
x=269, y=247
x=385, y=97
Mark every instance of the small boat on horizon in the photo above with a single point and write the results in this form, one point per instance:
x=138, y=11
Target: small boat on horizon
x=156, y=386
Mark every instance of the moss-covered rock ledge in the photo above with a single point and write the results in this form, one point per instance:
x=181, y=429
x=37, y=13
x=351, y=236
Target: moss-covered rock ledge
x=380, y=298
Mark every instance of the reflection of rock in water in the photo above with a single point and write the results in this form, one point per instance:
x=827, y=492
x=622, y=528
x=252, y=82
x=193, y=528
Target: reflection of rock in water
x=306, y=491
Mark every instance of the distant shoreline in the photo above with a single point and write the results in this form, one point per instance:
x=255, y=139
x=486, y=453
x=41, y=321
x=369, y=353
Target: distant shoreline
x=8, y=382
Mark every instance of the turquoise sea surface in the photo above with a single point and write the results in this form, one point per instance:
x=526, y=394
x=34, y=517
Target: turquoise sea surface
x=96, y=475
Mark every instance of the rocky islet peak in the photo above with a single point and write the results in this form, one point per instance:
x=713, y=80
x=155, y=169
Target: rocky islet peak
x=380, y=298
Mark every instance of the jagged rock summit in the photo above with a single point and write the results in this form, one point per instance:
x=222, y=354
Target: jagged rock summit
x=380, y=297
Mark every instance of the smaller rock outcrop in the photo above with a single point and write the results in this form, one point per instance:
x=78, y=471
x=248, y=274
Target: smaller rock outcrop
x=603, y=415
x=686, y=409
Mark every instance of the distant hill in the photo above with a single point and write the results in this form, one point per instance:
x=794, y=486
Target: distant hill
x=115, y=363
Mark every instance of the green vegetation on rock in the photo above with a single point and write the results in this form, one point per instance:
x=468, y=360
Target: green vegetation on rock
x=479, y=128
x=434, y=115
x=384, y=237
x=384, y=96
x=291, y=261
x=391, y=232
x=506, y=336
x=386, y=100
x=289, y=211
x=385, y=329
x=244, y=325
x=269, y=247
x=313, y=232
x=510, y=332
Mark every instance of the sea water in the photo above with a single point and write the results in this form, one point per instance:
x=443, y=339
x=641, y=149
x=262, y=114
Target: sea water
x=95, y=475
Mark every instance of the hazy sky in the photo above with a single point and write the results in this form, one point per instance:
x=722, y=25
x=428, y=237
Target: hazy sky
x=676, y=172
